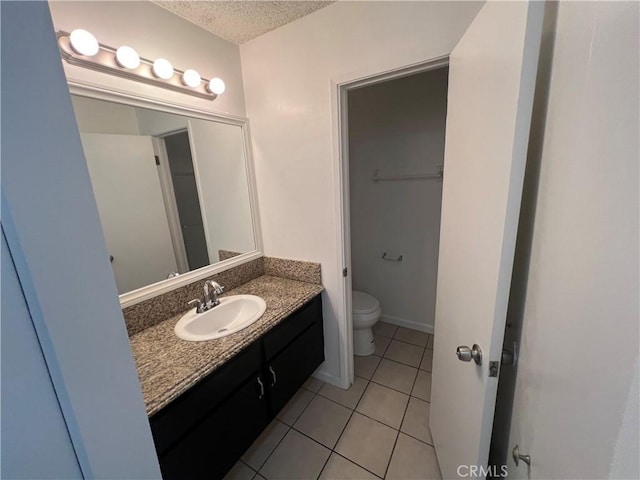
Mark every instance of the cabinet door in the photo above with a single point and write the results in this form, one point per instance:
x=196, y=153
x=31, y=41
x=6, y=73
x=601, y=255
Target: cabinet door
x=212, y=448
x=293, y=366
x=177, y=419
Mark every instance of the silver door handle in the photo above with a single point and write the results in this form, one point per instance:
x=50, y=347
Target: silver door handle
x=515, y=453
x=466, y=354
x=261, y=387
x=273, y=375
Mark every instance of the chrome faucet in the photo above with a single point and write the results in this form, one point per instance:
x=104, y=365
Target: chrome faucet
x=211, y=291
x=199, y=305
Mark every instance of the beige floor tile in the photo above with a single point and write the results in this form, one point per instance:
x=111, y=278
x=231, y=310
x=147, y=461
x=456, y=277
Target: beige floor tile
x=381, y=344
x=349, y=398
x=383, y=404
x=297, y=457
x=404, y=353
x=365, y=366
x=259, y=477
x=395, y=375
x=413, y=460
x=430, y=342
x=292, y=410
x=427, y=361
x=384, y=329
x=367, y=443
x=240, y=471
x=422, y=387
x=413, y=337
x=416, y=420
x=313, y=384
x=339, y=468
x=258, y=453
x=323, y=420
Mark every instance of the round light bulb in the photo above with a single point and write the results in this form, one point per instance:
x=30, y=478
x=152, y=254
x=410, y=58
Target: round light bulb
x=83, y=43
x=191, y=78
x=127, y=57
x=162, y=68
x=216, y=85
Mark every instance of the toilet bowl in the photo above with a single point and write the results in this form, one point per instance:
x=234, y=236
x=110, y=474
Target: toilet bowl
x=366, y=313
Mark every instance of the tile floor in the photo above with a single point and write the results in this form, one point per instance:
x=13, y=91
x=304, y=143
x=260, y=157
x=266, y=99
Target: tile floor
x=376, y=429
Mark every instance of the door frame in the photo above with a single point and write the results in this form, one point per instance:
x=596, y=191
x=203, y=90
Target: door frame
x=169, y=198
x=340, y=87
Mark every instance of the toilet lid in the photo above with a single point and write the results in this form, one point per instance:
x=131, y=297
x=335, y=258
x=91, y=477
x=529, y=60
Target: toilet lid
x=363, y=303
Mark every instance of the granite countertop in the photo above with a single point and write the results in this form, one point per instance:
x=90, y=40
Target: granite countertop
x=168, y=366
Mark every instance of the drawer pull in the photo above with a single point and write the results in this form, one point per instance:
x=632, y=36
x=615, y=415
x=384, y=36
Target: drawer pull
x=261, y=395
x=273, y=375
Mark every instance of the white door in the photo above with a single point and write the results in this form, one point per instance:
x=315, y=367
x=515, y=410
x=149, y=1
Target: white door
x=126, y=185
x=492, y=75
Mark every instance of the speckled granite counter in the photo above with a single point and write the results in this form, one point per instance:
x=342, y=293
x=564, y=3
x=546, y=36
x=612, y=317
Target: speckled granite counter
x=168, y=366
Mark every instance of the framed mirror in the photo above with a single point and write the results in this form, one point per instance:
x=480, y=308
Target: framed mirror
x=174, y=187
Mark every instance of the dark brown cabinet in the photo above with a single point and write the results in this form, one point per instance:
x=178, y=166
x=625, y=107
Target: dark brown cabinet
x=206, y=430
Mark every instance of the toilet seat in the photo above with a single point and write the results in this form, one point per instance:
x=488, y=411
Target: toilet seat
x=363, y=303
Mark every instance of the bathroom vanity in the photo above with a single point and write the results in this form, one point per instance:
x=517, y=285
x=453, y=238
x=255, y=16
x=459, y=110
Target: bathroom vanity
x=208, y=401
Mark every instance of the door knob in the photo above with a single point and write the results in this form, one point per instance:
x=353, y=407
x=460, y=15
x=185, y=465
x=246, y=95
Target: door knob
x=517, y=457
x=466, y=354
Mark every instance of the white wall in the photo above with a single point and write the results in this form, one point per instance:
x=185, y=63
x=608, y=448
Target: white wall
x=223, y=188
x=397, y=128
x=288, y=74
x=154, y=32
x=580, y=331
x=154, y=123
x=51, y=223
x=35, y=440
x=110, y=117
x=127, y=190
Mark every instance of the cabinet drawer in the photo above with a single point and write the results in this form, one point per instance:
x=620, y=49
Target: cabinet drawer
x=284, y=333
x=181, y=415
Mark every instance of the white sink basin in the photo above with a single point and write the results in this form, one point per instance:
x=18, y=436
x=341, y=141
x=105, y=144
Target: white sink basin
x=233, y=314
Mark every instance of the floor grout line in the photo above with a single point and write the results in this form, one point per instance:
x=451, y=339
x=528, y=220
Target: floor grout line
x=275, y=448
x=333, y=449
x=393, y=450
x=353, y=411
x=289, y=427
x=404, y=363
x=395, y=389
x=416, y=438
x=356, y=463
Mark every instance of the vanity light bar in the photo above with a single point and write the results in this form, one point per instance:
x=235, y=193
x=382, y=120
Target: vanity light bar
x=129, y=65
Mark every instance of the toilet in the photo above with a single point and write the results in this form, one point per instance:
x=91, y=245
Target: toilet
x=366, y=313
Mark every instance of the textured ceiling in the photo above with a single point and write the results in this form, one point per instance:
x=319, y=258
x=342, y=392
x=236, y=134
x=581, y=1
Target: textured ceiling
x=239, y=21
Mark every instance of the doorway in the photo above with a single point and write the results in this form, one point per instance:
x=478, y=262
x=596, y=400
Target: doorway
x=187, y=203
x=396, y=158
x=341, y=114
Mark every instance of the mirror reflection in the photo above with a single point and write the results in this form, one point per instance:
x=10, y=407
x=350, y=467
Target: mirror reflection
x=172, y=191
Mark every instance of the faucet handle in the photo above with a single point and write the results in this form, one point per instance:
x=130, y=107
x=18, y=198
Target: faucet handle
x=199, y=305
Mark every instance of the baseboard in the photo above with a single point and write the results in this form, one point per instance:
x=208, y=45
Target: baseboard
x=327, y=377
x=401, y=322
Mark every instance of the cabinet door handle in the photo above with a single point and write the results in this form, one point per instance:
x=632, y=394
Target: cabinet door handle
x=261, y=387
x=273, y=375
